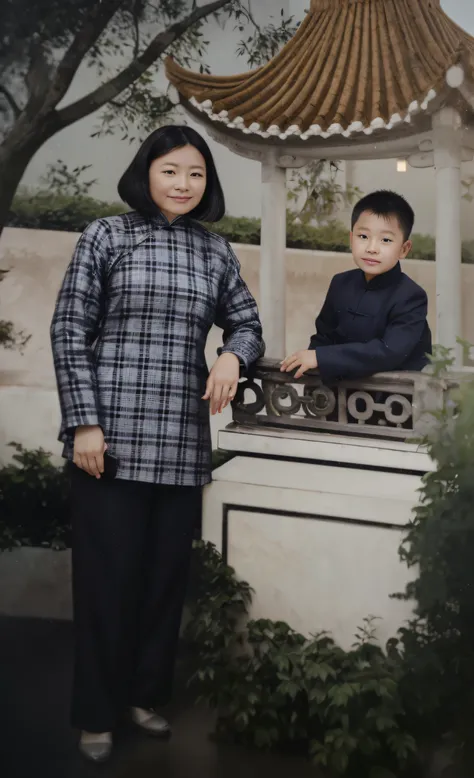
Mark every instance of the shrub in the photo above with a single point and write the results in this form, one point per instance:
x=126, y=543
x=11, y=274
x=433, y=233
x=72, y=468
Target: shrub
x=468, y=252
x=33, y=501
x=424, y=247
x=238, y=229
x=329, y=237
x=42, y=209
x=273, y=688
x=440, y=543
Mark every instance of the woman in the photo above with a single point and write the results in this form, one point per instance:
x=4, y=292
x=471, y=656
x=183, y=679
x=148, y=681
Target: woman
x=128, y=336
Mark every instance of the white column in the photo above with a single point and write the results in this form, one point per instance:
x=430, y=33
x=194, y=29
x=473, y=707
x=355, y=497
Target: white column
x=447, y=160
x=349, y=165
x=272, y=258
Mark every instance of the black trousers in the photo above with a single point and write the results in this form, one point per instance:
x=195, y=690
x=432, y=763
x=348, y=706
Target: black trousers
x=131, y=545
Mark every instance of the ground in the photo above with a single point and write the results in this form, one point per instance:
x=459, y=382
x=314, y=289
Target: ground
x=35, y=738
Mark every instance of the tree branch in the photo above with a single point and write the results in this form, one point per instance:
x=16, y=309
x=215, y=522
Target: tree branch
x=85, y=38
x=136, y=30
x=118, y=104
x=10, y=100
x=112, y=88
x=37, y=77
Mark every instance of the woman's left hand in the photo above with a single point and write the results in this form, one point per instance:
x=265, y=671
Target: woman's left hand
x=222, y=382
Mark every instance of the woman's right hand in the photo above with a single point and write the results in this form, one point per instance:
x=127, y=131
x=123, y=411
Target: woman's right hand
x=89, y=448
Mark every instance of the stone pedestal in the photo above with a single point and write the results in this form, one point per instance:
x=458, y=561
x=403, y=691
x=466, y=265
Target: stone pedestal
x=313, y=521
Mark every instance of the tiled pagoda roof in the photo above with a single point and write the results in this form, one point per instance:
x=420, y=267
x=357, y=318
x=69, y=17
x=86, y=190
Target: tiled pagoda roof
x=353, y=66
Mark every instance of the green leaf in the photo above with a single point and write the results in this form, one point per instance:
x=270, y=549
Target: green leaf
x=318, y=753
x=339, y=762
x=402, y=744
x=263, y=738
x=290, y=688
x=320, y=670
x=384, y=723
x=317, y=695
x=340, y=695
x=242, y=719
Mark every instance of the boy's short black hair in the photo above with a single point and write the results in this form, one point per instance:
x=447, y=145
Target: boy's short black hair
x=386, y=203
x=134, y=186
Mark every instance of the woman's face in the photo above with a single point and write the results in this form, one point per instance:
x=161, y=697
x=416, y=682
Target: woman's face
x=178, y=181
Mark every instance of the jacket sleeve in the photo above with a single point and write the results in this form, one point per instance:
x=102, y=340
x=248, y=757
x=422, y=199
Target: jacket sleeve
x=357, y=360
x=325, y=322
x=75, y=326
x=237, y=315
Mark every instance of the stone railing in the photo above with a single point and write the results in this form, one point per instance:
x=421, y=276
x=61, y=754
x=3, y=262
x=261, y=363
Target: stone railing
x=390, y=405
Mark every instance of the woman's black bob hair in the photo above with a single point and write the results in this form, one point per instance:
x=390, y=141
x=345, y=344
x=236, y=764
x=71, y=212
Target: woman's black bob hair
x=134, y=187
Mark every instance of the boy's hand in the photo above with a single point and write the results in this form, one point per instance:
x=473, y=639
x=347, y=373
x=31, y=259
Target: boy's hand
x=306, y=360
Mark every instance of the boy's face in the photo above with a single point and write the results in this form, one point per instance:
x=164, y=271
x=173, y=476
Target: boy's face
x=377, y=244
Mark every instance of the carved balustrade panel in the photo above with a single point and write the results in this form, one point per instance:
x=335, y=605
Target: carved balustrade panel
x=390, y=405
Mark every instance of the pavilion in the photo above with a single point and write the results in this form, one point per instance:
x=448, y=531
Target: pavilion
x=360, y=79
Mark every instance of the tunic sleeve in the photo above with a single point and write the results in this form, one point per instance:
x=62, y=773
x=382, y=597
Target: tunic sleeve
x=75, y=325
x=237, y=315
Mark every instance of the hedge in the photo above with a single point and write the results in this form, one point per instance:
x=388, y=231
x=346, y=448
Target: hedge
x=49, y=211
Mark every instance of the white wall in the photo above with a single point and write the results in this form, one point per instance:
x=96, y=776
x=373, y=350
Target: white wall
x=241, y=178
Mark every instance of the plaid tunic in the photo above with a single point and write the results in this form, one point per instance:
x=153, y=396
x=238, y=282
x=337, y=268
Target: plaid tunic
x=128, y=336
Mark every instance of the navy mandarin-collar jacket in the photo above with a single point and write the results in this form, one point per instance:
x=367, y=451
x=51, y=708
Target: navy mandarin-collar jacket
x=371, y=327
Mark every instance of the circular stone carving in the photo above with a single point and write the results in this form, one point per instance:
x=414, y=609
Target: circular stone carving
x=321, y=401
x=279, y=393
x=250, y=408
x=399, y=418
x=369, y=406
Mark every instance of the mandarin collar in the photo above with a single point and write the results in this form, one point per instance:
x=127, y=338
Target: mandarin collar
x=162, y=221
x=384, y=280
x=159, y=221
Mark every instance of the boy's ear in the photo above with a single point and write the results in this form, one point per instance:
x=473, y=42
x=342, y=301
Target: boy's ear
x=406, y=248
x=351, y=235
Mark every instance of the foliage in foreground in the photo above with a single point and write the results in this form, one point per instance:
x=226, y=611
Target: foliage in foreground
x=9, y=337
x=440, y=545
x=273, y=688
x=33, y=501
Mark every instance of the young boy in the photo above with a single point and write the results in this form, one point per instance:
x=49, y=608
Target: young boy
x=374, y=318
